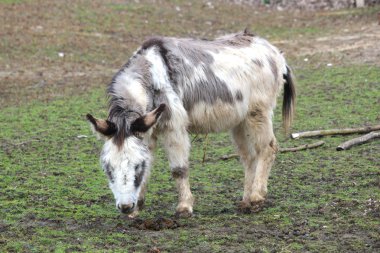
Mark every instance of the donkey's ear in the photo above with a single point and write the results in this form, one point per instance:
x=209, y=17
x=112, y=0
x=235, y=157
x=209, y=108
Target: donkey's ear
x=103, y=127
x=145, y=122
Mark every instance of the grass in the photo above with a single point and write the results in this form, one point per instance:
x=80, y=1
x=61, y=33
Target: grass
x=54, y=191
x=11, y=1
x=54, y=196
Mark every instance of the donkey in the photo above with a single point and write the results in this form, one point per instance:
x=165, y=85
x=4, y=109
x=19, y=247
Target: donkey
x=171, y=87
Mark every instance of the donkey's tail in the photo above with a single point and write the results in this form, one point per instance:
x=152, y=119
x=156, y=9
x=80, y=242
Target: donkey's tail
x=288, y=104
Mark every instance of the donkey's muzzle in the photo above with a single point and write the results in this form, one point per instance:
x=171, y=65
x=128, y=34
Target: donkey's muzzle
x=127, y=209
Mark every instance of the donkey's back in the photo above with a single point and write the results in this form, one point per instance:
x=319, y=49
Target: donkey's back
x=219, y=82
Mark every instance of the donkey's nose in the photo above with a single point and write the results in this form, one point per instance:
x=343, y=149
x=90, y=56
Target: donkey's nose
x=126, y=208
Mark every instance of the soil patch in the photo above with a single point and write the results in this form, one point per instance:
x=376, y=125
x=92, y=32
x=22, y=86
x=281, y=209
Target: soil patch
x=156, y=224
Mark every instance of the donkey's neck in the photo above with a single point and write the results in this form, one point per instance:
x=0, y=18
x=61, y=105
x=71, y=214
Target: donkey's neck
x=131, y=92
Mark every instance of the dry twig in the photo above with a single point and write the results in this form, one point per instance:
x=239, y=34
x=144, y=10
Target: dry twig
x=335, y=131
x=283, y=150
x=359, y=140
x=302, y=147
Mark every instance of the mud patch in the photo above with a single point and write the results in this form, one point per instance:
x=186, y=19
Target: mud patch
x=3, y=227
x=372, y=207
x=254, y=207
x=154, y=250
x=156, y=224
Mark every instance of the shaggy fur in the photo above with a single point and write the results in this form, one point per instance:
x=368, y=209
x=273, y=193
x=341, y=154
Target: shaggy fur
x=227, y=84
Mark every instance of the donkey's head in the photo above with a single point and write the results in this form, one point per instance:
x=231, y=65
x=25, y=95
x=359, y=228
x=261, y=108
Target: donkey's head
x=126, y=162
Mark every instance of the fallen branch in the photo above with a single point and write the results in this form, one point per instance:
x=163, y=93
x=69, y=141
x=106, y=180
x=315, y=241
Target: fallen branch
x=227, y=157
x=20, y=143
x=335, y=131
x=302, y=147
x=283, y=150
x=359, y=140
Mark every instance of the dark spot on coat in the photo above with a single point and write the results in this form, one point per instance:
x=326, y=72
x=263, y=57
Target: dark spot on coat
x=239, y=96
x=108, y=169
x=140, y=171
x=195, y=90
x=180, y=172
x=207, y=91
x=143, y=165
x=273, y=67
x=255, y=113
x=195, y=54
x=258, y=62
x=258, y=115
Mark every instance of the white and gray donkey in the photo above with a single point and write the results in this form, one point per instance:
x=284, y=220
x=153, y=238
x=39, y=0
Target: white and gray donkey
x=171, y=87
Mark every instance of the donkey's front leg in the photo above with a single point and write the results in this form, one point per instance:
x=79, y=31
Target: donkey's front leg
x=177, y=145
x=185, y=198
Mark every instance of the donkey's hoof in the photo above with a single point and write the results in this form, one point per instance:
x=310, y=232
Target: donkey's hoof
x=257, y=206
x=257, y=201
x=244, y=207
x=251, y=207
x=256, y=197
x=183, y=213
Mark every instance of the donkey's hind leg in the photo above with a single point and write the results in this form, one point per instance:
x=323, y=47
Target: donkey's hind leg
x=177, y=146
x=257, y=147
x=265, y=148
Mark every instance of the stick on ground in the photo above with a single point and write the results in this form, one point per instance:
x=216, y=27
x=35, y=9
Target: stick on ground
x=335, y=131
x=359, y=140
x=283, y=150
x=302, y=147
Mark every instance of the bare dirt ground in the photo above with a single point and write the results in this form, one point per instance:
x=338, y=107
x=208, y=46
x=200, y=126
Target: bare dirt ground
x=52, y=49
x=354, y=44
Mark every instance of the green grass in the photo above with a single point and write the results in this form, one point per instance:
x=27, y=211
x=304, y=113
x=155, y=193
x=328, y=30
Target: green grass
x=53, y=189
x=54, y=196
x=11, y=1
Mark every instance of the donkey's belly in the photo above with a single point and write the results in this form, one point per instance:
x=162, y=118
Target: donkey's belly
x=218, y=117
